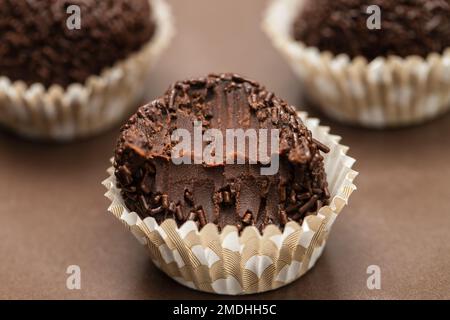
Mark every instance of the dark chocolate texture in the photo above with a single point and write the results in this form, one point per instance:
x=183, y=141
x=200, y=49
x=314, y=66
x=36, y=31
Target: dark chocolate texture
x=408, y=27
x=228, y=194
x=37, y=46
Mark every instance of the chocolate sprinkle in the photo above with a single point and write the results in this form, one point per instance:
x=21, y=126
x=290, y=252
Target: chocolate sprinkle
x=179, y=213
x=247, y=219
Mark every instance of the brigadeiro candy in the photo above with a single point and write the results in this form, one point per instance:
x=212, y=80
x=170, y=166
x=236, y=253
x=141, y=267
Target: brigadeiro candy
x=183, y=209
x=417, y=27
x=61, y=56
x=152, y=185
x=37, y=45
x=378, y=64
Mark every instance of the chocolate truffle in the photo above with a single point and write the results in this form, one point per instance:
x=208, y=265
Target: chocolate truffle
x=36, y=44
x=408, y=27
x=226, y=194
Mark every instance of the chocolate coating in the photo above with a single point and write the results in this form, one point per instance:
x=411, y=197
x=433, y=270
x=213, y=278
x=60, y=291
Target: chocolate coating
x=226, y=194
x=408, y=27
x=37, y=46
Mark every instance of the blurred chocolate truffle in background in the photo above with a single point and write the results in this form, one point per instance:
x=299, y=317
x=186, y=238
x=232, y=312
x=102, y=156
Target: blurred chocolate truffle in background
x=36, y=45
x=408, y=27
x=225, y=194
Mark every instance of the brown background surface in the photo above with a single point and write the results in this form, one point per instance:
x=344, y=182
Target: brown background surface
x=53, y=213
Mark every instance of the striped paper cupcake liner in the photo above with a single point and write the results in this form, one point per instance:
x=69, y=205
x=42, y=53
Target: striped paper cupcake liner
x=230, y=263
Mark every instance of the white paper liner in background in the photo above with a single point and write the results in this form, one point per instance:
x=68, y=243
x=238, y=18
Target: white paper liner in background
x=386, y=92
x=226, y=263
x=83, y=110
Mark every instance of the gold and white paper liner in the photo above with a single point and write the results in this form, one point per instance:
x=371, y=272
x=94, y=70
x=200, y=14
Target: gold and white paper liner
x=386, y=92
x=82, y=110
x=226, y=263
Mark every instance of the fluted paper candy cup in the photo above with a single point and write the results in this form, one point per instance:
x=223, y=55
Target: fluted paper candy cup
x=85, y=109
x=230, y=263
x=386, y=92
